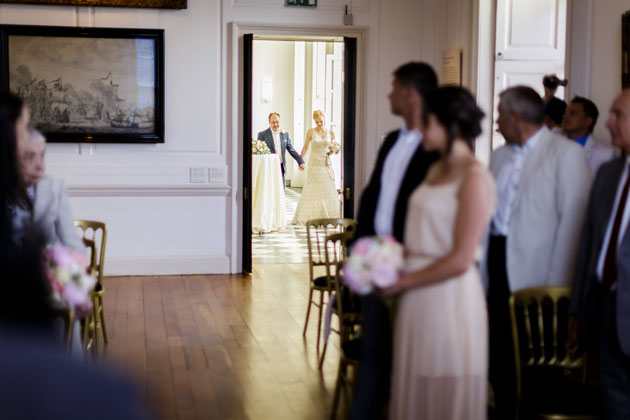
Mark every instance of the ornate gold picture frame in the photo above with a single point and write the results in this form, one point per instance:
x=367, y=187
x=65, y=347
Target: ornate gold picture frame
x=156, y=4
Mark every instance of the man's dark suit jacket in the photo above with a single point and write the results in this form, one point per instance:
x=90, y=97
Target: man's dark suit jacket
x=374, y=375
x=585, y=297
x=285, y=144
x=416, y=171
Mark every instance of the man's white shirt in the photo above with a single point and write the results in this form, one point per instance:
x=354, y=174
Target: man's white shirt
x=276, y=141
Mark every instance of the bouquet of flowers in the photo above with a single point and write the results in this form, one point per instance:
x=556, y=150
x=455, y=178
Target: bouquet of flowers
x=70, y=282
x=259, y=147
x=333, y=148
x=374, y=261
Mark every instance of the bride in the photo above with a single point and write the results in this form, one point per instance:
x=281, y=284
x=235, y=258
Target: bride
x=319, y=196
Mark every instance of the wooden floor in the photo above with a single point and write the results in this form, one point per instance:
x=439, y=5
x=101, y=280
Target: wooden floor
x=221, y=347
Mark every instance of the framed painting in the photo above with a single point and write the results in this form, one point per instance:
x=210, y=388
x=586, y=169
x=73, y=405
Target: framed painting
x=102, y=85
x=156, y=4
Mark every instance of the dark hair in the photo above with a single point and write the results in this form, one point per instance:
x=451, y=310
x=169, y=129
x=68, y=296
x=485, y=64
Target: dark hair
x=417, y=74
x=11, y=107
x=524, y=101
x=272, y=114
x=554, y=109
x=590, y=109
x=456, y=109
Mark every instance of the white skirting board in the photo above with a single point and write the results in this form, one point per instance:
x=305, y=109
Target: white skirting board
x=135, y=266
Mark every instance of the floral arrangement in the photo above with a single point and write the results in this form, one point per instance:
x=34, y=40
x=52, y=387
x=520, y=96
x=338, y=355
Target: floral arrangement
x=70, y=282
x=259, y=147
x=333, y=148
x=375, y=261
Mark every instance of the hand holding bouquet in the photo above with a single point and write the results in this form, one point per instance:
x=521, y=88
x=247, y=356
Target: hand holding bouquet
x=66, y=270
x=333, y=148
x=259, y=147
x=375, y=261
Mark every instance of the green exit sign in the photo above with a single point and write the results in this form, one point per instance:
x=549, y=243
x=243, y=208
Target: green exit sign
x=302, y=3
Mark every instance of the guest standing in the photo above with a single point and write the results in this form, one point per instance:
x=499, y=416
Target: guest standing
x=542, y=185
x=440, y=339
x=401, y=166
x=601, y=295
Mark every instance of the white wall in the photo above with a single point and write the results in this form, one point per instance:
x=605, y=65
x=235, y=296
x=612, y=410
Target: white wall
x=158, y=221
x=605, y=72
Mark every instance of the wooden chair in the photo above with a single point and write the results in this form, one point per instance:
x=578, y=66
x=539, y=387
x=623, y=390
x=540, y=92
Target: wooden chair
x=550, y=379
x=349, y=314
x=336, y=244
x=95, y=237
x=316, y=232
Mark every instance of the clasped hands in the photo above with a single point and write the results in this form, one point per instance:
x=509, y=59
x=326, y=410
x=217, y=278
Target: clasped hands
x=302, y=166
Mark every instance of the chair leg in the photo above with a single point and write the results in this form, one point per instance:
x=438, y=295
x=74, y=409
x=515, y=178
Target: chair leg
x=321, y=359
x=101, y=310
x=308, y=311
x=97, y=326
x=338, y=385
x=319, y=321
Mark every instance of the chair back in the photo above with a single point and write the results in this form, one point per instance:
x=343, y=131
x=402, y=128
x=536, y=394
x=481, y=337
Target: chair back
x=540, y=330
x=346, y=303
x=94, y=235
x=321, y=253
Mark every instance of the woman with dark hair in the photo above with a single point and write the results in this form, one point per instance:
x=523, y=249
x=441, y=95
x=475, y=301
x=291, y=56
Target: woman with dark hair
x=441, y=335
x=25, y=298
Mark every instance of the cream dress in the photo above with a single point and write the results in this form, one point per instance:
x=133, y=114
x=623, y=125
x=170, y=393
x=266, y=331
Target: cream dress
x=441, y=331
x=319, y=196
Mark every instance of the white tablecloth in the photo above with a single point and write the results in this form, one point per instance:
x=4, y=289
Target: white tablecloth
x=268, y=213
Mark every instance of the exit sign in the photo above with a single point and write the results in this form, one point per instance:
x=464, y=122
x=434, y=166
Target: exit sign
x=303, y=3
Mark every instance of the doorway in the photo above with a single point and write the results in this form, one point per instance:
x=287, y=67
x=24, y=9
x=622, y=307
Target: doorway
x=291, y=78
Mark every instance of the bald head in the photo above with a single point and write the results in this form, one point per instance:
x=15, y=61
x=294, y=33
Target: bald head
x=619, y=121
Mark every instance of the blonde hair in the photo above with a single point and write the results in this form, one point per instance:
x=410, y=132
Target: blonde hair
x=318, y=113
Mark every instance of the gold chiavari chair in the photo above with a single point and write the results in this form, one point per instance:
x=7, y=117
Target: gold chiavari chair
x=337, y=253
x=550, y=378
x=316, y=232
x=68, y=320
x=95, y=237
x=349, y=314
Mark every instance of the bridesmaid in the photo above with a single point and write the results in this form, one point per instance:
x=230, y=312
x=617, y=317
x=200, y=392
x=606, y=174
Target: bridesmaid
x=441, y=334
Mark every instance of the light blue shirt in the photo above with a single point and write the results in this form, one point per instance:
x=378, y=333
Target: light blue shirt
x=507, y=183
x=394, y=170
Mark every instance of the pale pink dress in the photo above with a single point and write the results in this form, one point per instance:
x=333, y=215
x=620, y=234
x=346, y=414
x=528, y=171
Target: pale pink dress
x=441, y=331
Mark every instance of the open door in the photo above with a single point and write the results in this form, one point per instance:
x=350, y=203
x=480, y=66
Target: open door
x=349, y=118
x=247, y=156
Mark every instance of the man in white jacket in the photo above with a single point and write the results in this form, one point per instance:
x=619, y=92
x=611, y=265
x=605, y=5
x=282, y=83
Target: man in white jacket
x=543, y=182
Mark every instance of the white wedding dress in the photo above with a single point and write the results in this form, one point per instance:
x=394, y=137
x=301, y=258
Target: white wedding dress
x=319, y=196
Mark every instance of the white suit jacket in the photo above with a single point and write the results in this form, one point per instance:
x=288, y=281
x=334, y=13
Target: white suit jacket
x=597, y=153
x=53, y=216
x=548, y=212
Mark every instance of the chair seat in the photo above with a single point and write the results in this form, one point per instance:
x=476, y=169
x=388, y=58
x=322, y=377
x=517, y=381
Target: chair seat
x=352, y=349
x=553, y=392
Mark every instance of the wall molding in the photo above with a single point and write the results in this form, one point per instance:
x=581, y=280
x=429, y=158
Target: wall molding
x=171, y=265
x=149, y=190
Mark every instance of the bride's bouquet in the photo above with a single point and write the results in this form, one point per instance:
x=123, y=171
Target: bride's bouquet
x=66, y=271
x=259, y=147
x=333, y=148
x=375, y=261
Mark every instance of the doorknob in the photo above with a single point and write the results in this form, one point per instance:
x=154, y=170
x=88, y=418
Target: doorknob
x=348, y=193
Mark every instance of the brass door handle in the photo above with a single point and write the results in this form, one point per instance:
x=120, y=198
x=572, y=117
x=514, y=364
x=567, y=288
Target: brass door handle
x=245, y=194
x=348, y=193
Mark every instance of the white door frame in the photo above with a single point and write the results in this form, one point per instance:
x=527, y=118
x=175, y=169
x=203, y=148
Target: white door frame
x=232, y=111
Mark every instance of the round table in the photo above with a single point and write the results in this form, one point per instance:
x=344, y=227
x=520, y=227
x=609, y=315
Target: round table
x=268, y=211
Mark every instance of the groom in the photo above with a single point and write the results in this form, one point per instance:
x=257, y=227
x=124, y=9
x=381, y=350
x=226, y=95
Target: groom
x=401, y=166
x=278, y=142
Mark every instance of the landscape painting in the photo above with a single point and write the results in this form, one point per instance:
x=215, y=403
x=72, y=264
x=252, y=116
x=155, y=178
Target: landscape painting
x=89, y=88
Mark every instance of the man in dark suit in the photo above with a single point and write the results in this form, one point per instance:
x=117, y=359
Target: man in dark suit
x=601, y=293
x=401, y=166
x=279, y=141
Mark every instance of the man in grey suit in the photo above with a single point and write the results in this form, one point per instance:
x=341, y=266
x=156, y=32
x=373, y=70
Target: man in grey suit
x=542, y=185
x=279, y=141
x=601, y=293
